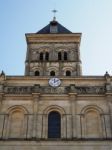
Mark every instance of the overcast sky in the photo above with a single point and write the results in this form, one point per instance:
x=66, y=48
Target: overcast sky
x=93, y=18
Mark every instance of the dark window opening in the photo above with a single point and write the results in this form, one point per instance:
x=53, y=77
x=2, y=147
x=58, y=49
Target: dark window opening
x=41, y=56
x=37, y=73
x=46, y=56
x=54, y=125
x=52, y=73
x=65, y=55
x=68, y=73
x=59, y=56
x=53, y=29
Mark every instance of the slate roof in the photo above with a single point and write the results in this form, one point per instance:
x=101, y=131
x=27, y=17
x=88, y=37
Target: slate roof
x=61, y=28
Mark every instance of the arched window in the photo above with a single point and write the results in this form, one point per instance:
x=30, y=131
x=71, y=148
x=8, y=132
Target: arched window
x=65, y=55
x=37, y=73
x=59, y=56
x=52, y=73
x=46, y=56
x=68, y=73
x=41, y=56
x=54, y=125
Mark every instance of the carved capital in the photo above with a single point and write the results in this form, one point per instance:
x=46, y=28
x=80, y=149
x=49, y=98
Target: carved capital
x=72, y=96
x=35, y=96
x=73, y=88
x=37, y=88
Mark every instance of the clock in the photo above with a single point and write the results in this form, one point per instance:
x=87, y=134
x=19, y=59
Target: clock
x=54, y=82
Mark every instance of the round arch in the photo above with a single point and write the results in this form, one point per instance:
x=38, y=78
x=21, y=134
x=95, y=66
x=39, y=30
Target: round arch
x=53, y=69
x=55, y=108
x=91, y=107
x=17, y=107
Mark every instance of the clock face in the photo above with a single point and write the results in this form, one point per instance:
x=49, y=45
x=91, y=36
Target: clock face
x=54, y=82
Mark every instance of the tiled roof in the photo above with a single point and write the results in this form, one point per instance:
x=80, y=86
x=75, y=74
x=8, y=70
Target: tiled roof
x=60, y=29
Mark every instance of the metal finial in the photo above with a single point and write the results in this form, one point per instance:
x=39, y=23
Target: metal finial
x=54, y=11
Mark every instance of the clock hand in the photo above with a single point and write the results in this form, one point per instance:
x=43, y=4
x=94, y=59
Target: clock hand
x=55, y=80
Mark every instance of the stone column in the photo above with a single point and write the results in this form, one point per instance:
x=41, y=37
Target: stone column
x=108, y=117
x=73, y=112
x=35, y=113
x=73, y=97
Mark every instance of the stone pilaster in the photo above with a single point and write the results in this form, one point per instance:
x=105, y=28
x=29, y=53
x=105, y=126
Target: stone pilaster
x=35, y=112
x=73, y=98
x=109, y=103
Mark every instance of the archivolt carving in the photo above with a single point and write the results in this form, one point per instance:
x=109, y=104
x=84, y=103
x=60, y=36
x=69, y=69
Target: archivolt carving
x=91, y=107
x=54, y=108
x=53, y=69
x=17, y=107
x=68, y=68
x=37, y=68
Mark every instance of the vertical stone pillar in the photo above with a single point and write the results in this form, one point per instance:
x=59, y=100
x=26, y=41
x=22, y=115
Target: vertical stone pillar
x=108, y=93
x=73, y=97
x=35, y=113
x=73, y=112
x=109, y=102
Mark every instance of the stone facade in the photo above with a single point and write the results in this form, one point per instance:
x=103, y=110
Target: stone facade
x=84, y=103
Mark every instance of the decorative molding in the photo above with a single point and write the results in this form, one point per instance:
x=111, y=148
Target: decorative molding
x=91, y=90
x=19, y=90
x=51, y=90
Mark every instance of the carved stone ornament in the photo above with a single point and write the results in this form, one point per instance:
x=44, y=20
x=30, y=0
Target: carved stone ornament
x=52, y=90
x=19, y=90
x=91, y=90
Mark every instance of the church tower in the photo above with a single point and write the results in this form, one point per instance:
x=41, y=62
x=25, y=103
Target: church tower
x=53, y=51
x=53, y=106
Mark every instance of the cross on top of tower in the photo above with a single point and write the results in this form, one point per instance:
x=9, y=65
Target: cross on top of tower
x=54, y=11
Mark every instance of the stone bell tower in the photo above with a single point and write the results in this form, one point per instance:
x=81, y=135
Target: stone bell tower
x=53, y=51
